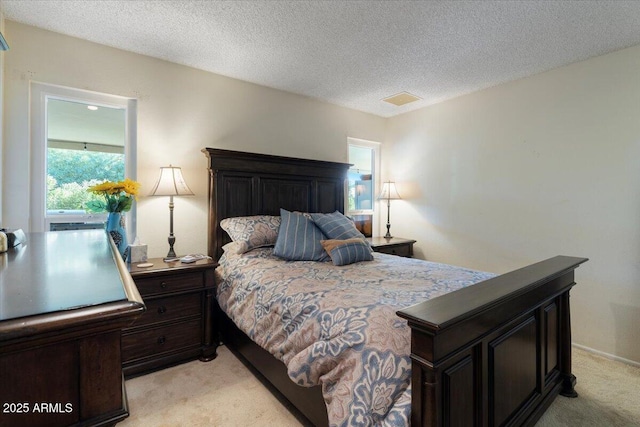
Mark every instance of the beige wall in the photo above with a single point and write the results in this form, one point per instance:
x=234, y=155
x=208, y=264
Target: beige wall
x=523, y=171
x=180, y=111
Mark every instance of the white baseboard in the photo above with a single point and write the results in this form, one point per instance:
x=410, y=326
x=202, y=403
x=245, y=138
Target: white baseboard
x=607, y=355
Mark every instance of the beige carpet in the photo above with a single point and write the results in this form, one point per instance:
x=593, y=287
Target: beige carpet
x=223, y=392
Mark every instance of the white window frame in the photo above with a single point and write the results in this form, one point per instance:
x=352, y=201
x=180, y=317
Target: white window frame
x=40, y=93
x=375, y=147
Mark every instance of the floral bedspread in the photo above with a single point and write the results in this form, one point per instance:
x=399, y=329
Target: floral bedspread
x=336, y=326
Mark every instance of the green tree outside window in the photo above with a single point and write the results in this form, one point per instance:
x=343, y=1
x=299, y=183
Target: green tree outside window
x=71, y=172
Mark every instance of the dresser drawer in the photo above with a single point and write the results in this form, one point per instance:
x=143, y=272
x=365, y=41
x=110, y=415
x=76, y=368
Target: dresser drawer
x=169, y=283
x=401, y=250
x=162, y=339
x=170, y=308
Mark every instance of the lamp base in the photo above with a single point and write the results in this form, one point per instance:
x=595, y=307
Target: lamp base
x=388, y=235
x=171, y=256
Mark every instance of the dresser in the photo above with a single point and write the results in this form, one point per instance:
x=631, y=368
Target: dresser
x=178, y=324
x=65, y=296
x=392, y=245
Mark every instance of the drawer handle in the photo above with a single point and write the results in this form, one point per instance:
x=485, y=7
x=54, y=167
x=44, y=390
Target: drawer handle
x=162, y=340
x=162, y=309
x=163, y=285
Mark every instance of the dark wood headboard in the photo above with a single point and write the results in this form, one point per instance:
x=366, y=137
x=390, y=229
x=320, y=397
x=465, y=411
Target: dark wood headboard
x=242, y=184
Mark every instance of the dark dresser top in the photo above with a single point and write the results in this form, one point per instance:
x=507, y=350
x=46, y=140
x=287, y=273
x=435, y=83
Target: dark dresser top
x=56, y=271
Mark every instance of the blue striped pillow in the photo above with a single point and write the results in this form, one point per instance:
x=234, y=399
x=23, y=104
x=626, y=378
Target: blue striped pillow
x=299, y=239
x=348, y=251
x=336, y=226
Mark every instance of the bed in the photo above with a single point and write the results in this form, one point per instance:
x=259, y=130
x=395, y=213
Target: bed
x=494, y=353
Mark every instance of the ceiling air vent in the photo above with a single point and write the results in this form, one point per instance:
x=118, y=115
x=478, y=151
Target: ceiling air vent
x=401, y=98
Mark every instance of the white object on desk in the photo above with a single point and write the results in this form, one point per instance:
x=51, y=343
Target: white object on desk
x=137, y=251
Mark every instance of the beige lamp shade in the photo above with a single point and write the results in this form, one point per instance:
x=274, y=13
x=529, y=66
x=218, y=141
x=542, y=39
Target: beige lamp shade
x=171, y=183
x=389, y=191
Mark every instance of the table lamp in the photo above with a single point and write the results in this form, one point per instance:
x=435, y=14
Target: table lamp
x=389, y=193
x=171, y=183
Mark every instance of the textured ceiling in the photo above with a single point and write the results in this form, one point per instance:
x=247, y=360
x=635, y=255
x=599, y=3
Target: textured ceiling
x=352, y=53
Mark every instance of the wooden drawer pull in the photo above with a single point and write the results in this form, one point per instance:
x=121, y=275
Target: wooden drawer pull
x=162, y=340
x=162, y=309
x=163, y=285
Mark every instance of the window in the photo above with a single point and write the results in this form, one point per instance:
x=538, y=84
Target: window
x=80, y=139
x=361, y=189
x=85, y=146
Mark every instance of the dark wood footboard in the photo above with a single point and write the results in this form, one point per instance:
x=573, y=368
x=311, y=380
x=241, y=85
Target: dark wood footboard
x=496, y=353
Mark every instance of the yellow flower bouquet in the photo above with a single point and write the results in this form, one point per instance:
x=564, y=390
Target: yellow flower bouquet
x=118, y=196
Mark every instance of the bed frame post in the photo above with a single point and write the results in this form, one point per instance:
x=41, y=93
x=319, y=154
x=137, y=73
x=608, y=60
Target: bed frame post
x=568, y=379
x=424, y=393
x=212, y=220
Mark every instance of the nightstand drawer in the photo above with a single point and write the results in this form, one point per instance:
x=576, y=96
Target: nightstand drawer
x=162, y=339
x=170, y=308
x=402, y=250
x=169, y=283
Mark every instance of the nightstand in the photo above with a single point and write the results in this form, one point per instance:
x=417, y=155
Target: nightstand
x=394, y=245
x=178, y=324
